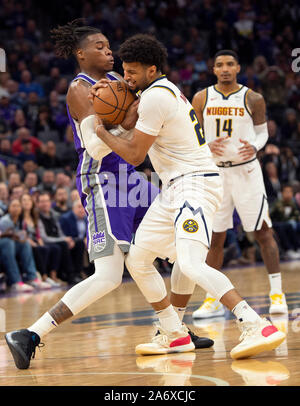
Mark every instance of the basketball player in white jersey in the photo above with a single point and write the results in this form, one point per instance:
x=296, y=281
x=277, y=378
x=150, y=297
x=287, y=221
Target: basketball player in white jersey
x=234, y=121
x=178, y=224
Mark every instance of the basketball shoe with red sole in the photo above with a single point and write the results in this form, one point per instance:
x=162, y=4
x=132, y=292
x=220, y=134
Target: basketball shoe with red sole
x=167, y=342
x=257, y=337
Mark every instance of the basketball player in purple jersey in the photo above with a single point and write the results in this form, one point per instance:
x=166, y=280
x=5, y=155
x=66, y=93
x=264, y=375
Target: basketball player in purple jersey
x=111, y=221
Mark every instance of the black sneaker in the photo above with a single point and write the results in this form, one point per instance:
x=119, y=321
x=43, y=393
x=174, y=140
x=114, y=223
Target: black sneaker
x=22, y=345
x=200, y=342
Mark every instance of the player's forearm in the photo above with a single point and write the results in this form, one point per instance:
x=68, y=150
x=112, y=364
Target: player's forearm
x=261, y=132
x=120, y=146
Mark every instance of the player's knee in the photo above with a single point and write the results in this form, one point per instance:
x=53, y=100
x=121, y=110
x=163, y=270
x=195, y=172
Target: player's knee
x=139, y=261
x=264, y=236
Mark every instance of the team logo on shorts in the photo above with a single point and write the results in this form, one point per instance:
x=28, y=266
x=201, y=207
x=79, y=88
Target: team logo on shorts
x=99, y=241
x=190, y=226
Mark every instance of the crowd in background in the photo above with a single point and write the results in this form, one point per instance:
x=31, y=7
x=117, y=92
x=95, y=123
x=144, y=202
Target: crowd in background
x=37, y=155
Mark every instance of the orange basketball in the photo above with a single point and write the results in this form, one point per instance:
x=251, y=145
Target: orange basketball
x=112, y=102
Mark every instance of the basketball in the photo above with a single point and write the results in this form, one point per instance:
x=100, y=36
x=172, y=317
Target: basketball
x=112, y=102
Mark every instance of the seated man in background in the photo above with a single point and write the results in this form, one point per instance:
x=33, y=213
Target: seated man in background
x=286, y=218
x=51, y=233
x=74, y=225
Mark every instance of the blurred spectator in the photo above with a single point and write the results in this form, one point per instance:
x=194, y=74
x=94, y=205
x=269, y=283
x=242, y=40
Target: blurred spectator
x=12, y=87
x=274, y=133
x=32, y=107
x=63, y=179
x=272, y=182
x=13, y=246
x=48, y=182
x=14, y=179
x=289, y=125
x=286, y=222
x=19, y=120
x=27, y=85
x=68, y=154
x=17, y=192
x=24, y=134
x=74, y=195
x=4, y=198
x=48, y=158
x=44, y=255
x=74, y=225
x=26, y=152
x=273, y=88
x=31, y=181
x=289, y=166
x=7, y=108
x=52, y=234
x=60, y=204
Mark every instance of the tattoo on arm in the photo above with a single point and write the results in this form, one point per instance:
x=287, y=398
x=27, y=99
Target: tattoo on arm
x=60, y=312
x=257, y=106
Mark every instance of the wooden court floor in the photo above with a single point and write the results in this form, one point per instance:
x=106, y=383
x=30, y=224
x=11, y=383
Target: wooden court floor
x=96, y=347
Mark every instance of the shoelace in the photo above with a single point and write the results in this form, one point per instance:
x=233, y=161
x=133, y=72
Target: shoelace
x=207, y=303
x=247, y=329
x=277, y=299
x=33, y=349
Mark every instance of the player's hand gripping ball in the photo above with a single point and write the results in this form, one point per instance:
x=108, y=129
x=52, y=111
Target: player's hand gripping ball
x=112, y=102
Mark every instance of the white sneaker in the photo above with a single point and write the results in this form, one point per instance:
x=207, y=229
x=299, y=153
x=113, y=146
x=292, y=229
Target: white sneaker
x=167, y=342
x=21, y=287
x=37, y=284
x=278, y=303
x=257, y=337
x=291, y=254
x=52, y=282
x=210, y=308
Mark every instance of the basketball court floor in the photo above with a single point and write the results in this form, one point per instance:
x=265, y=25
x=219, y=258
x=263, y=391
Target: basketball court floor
x=97, y=347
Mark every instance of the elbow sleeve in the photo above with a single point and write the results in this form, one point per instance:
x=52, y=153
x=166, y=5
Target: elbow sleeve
x=261, y=132
x=95, y=147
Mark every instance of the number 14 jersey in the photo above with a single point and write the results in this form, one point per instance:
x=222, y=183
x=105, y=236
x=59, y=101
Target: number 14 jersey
x=228, y=115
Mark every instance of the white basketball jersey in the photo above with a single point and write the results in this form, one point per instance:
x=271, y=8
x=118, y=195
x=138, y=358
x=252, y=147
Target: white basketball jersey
x=228, y=115
x=180, y=147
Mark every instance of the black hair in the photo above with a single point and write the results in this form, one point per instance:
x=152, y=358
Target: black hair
x=67, y=38
x=144, y=49
x=286, y=185
x=227, y=52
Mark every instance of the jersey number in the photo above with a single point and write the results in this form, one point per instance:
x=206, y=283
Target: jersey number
x=227, y=126
x=197, y=127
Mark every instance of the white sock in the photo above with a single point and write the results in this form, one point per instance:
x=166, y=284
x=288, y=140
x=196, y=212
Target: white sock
x=180, y=311
x=169, y=319
x=243, y=312
x=275, y=282
x=43, y=325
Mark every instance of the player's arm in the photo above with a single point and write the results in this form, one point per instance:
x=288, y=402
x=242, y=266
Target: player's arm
x=257, y=106
x=82, y=110
x=198, y=103
x=217, y=147
x=155, y=107
x=133, y=151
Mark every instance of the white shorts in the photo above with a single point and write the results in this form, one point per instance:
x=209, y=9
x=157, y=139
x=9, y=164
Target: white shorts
x=244, y=190
x=185, y=209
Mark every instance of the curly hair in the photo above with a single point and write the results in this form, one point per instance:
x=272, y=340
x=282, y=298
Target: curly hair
x=144, y=49
x=67, y=38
